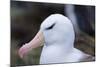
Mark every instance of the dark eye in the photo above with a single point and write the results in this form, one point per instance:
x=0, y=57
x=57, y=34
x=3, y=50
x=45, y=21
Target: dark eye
x=50, y=26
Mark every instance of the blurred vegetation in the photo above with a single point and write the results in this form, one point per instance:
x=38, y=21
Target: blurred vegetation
x=26, y=18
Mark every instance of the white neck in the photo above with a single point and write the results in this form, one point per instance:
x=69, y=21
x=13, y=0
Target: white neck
x=59, y=54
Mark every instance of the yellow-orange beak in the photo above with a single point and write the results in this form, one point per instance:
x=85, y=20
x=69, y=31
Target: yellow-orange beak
x=37, y=41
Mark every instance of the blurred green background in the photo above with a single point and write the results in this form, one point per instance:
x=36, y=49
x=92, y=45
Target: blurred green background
x=26, y=18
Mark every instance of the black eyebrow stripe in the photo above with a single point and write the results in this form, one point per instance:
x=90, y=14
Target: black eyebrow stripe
x=51, y=26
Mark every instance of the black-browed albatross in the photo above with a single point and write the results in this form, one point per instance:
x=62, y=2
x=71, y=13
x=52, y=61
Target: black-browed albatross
x=57, y=34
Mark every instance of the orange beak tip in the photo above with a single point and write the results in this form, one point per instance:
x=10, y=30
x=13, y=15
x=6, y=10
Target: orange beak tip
x=21, y=52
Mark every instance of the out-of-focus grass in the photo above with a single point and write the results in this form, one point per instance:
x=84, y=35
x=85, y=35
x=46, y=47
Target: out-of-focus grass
x=85, y=43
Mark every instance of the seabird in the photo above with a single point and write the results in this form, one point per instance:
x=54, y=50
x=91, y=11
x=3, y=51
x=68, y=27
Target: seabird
x=57, y=36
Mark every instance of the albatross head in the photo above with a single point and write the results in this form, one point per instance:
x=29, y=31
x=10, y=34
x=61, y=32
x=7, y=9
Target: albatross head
x=58, y=29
